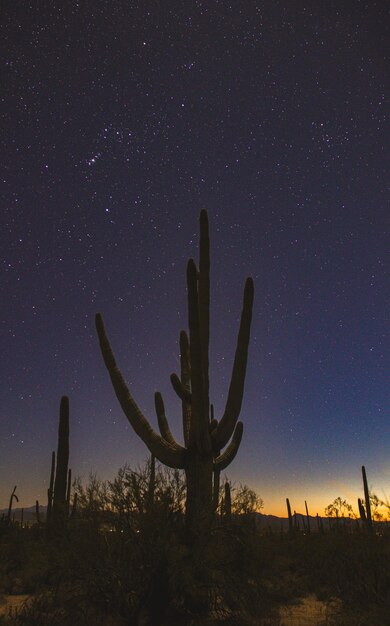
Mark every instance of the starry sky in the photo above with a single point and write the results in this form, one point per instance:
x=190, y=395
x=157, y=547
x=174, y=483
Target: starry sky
x=120, y=120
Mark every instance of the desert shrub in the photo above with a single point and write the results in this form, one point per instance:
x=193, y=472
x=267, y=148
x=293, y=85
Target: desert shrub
x=113, y=560
x=353, y=567
x=124, y=560
x=23, y=563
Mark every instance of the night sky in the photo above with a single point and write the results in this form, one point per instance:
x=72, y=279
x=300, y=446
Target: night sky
x=119, y=122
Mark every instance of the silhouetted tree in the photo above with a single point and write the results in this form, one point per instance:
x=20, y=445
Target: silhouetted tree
x=338, y=508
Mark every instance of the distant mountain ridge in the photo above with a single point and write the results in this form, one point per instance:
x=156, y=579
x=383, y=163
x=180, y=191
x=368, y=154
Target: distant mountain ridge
x=28, y=512
x=265, y=522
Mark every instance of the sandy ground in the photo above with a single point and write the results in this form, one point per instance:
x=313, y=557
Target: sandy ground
x=12, y=603
x=311, y=612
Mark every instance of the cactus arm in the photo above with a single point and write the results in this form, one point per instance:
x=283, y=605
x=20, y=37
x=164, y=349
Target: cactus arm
x=162, y=450
x=185, y=379
x=163, y=422
x=204, y=301
x=224, y=459
x=225, y=428
x=200, y=416
x=183, y=393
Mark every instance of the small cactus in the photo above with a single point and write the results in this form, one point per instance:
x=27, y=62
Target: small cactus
x=37, y=512
x=307, y=518
x=290, y=519
x=320, y=525
x=51, y=487
x=12, y=498
x=367, y=500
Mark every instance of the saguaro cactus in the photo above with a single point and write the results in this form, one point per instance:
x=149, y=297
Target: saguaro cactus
x=51, y=487
x=12, y=498
x=289, y=515
x=367, y=499
x=320, y=525
x=204, y=438
x=59, y=509
x=307, y=518
x=37, y=512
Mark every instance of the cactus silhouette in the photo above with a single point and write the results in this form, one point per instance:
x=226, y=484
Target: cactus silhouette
x=227, y=503
x=367, y=500
x=51, y=487
x=290, y=518
x=59, y=506
x=320, y=525
x=362, y=511
x=37, y=512
x=12, y=498
x=204, y=438
x=307, y=518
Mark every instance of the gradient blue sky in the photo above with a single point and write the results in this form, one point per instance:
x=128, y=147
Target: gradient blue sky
x=120, y=121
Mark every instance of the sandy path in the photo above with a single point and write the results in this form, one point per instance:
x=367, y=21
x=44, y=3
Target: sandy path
x=12, y=603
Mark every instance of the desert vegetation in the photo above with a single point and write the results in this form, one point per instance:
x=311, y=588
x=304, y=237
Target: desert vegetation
x=174, y=541
x=124, y=558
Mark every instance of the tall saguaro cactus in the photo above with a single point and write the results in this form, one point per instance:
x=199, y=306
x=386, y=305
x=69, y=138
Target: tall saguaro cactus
x=204, y=437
